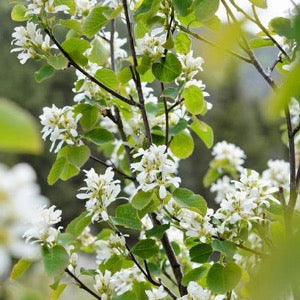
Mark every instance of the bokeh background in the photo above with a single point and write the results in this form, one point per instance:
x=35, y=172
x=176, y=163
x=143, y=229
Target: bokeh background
x=238, y=115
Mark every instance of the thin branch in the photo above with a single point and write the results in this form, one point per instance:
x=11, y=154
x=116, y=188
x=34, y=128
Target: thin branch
x=102, y=162
x=166, y=117
x=175, y=104
x=82, y=285
x=200, y=38
x=275, y=63
x=89, y=76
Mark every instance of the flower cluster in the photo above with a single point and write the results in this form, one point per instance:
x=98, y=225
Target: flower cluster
x=35, y=7
x=42, y=230
x=115, y=245
x=101, y=191
x=155, y=169
x=19, y=196
x=61, y=125
x=104, y=285
x=30, y=42
x=229, y=153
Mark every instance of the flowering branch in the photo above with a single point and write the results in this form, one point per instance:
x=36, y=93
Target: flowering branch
x=89, y=76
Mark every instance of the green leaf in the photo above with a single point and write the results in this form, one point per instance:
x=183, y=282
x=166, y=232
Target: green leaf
x=20, y=268
x=201, y=253
x=144, y=65
x=141, y=199
x=125, y=75
x=168, y=69
x=44, y=73
x=57, y=62
x=75, y=48
x=157, y=231
x=180, y=126
x=211, y=176
x=68, y=163
x=145, y=248
x=193, y=99
x=169, y=44
x=127, y=216
x=70, y=3
x=57, y=293
x=183, y=43
x=99, y=53
x=282, y=26
x=55, y=259
x=205, y=9
x=170, y=92
x=72, y=24
x=115, y=264
x=77, y=225
x=96, y=19
x=18, y=13
x=259, y=3
x=225, y=247
x=147, y=9
x=99, y=136
x=107, y=77
x=260, y=43
x=182, y=145
x=194, y=275
x=188, y=199
x=204, y=131
x=222, y=279
x=182, y=7
x=90, y=115
x=19, y=131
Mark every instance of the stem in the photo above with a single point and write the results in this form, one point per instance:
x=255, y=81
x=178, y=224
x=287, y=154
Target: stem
x=166, y=117
x=82, y=285
x=89, y=76
x=200, y=38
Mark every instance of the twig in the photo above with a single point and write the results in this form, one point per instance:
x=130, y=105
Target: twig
x=89, y=76
x=200, y=38
x=166, y=117
x=275, y=63
x=82, y=285
x=113, y=167
x=175, y=104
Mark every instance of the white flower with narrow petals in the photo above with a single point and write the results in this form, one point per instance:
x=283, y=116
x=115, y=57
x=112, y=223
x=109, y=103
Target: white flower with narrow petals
x=155, y=169
x=101, y=191
x=156, y=294
x=196, y=292
x=222, y=187
x=35, y=7
x=61, y=125
x=103, y=285
x=190, y=65
x=42, y=230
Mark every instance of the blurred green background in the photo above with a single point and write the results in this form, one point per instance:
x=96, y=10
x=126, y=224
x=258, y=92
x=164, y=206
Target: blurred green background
x=237, y=94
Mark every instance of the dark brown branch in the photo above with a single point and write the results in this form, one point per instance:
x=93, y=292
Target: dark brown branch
x=102, y=162
x=175, y=104
x=166, y=117
x=82, y=285
x=275, y=63
x=89, y=76
x=212, y=44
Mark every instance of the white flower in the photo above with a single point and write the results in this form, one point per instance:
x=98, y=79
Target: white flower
x=229, y=152
x=152, y=44
x=61, y=125
x=36, y=6
x=115, y=245
x=123, y=280
x=103, y=285
x=19, y=196
x=196, y=292
x=196, y=225
x=30, y=42
x=222, y=187
x=190, y=65
x=101, y=191
x=86, y=238
x=155, y=170
x=156, y=294
x=278, y=174
x=84, y=6
x=42, y=230
x=295, y=112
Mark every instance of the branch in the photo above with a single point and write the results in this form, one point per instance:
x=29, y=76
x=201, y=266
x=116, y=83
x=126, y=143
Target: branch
x=166, y=117
x=102, y=162
x=82, y=285
x=200, y=38
x=89, y=76
x=175, y=104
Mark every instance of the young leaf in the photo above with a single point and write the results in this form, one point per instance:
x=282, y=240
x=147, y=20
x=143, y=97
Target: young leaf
x=57, y=62
x=201, y=253
x=182, y=7
x=225, y=247
x=222, y=279
x=193, y=99
x=141, y=199
x=90, y=115
x=127, y=216
x=204, y=131
x=99, y=136
x=77, y=225
x=259, y=3
x=205, y=9
x=55, y=259
x=147, y=9
x=183, y=43
x=182, y=145
x=107, y=77
x=45, y=72
x=168, y=69
x=145, y=248
x=76, y=155
x=18, y=13
x=20, y=268
x=282, y=26
x=194, y=275
x=188, y=199
x=157, y=231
